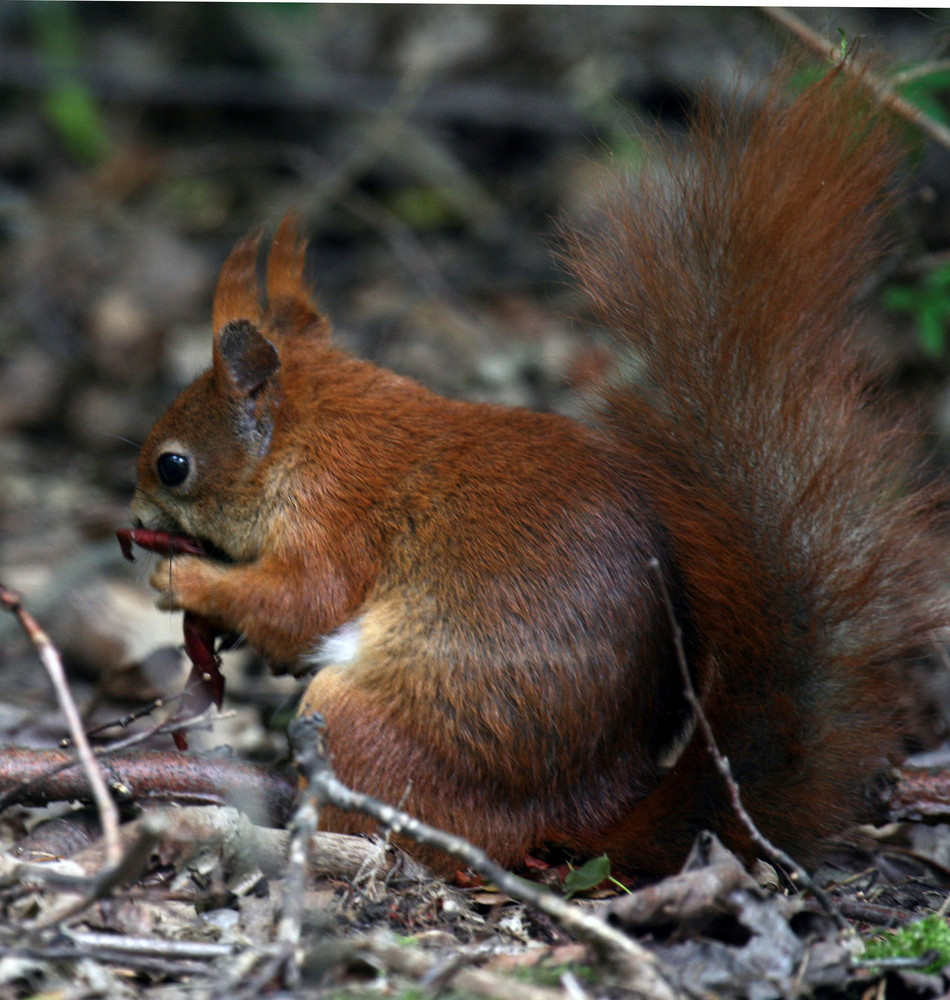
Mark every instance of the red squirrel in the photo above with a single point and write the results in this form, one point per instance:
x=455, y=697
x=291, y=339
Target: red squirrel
x=488, y=594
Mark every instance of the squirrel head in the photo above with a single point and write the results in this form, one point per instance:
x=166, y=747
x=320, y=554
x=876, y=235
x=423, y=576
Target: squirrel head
x=202, y=468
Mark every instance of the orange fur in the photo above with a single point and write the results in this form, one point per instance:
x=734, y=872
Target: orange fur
x=236, y=295
x=481, y=585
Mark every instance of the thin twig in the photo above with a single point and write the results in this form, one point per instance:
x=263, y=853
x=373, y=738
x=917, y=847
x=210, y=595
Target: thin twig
x=49, y=657
x=642, y=972
x=123, y=722
x=149, y=955
x=914, y=73
x=141, y=947
x=882, y=91
x=768, y=849
x=290, y=925
x=281, y=960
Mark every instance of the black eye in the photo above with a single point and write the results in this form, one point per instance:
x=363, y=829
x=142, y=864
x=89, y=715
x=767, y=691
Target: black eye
x=172, y=468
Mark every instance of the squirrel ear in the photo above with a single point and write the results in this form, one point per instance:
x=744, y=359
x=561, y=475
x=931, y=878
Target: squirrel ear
x=244, y=361
x=237, y=295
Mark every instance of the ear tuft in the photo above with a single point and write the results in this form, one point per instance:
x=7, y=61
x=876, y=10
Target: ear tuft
x=289, y=306
x=237, y=296
x=243, y=359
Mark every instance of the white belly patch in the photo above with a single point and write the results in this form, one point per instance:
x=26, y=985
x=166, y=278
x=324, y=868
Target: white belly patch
x=339, y=647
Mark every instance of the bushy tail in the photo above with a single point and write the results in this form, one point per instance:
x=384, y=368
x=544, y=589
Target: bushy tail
x=808, y=550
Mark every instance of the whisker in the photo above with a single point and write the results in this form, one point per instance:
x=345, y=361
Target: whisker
x=118, y=437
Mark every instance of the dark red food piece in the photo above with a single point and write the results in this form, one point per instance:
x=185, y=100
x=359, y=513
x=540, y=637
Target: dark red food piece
x=163, y=542
x=206, y=666
x=205, y=683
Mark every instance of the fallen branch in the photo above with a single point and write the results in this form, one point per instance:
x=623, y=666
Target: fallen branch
x=230, y=836
x=40, y=776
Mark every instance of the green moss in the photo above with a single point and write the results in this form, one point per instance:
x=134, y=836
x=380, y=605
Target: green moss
x=914, y=941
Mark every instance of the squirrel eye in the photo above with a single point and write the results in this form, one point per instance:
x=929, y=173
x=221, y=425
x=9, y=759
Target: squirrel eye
x=172, y=468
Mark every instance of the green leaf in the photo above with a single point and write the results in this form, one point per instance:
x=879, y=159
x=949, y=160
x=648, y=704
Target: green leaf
x=72, y=111
x=423, y=209
x=68, y=103
x=928, y=303
x=900, y=298
x=842, y=42
x=589, y=874
x=932, y=332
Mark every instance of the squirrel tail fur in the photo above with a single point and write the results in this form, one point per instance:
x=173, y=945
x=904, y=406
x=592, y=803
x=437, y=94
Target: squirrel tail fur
x=803, y=532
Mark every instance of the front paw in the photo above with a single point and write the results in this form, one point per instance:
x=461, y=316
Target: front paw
x=184, y=583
